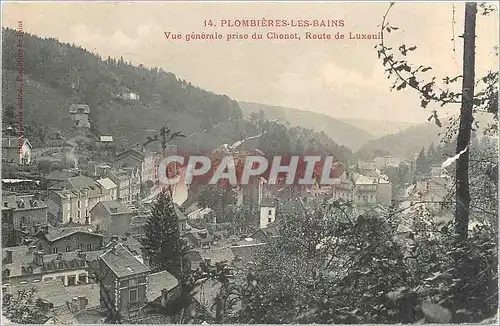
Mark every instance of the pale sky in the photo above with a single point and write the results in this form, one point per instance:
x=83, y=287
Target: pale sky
x=340, y=78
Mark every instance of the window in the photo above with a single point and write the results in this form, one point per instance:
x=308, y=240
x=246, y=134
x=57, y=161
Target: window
x=68, y=248
x=68, y=206
x=86, y=212
x=80, y=247
x=133, y=295
x=86, y=202
x=54, y=250
x=79, y=204
x=269, y=220
x=78, y=215
x=89, y=247
x=270, y=212
x=6, y=273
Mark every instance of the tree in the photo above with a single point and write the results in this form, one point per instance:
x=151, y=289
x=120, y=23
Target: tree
x=328, y=266
x=24, y=308
x=486, y=100
x=163, y=244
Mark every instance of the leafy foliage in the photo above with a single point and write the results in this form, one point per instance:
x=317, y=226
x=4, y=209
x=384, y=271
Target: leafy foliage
x=24, y=307
x=330, y=266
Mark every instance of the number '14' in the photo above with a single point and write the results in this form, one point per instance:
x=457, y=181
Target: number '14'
x=208, y=22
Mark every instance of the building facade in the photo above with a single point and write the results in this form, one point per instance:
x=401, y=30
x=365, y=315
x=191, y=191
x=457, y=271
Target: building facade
x=112, y=217
x=16, y=150
x=123, y=277
x=80, y=115
x=52, y=240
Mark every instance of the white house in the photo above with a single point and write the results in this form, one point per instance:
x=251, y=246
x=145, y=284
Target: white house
x=267, y=212
x=16, y=150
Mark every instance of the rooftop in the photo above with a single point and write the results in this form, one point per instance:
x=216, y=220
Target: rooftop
x=160, y=281
x=13, y=142
x=132, y=152
x=82, y=181
x=22, y=202
x=60, y=175
x=55, y=234
x=107, y=183
x=58, y=294
x=23, y=257
x=217, y=255
x=106, y=139
x=114, y=207
x=122, y=262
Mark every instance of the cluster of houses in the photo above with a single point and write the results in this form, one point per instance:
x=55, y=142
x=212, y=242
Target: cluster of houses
x=78, y=241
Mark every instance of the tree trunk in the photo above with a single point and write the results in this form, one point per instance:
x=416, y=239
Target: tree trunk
x=464, y=133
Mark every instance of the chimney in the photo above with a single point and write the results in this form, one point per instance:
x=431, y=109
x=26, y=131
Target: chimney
x=8, y=257
x=38, y=258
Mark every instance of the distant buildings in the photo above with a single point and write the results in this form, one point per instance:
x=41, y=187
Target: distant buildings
x=72, y=199
x=106, y=143
x=128, y=181
x=16, y=150
x=130, y=96
x=362, y=190
x=80, y=115
x=379, y=162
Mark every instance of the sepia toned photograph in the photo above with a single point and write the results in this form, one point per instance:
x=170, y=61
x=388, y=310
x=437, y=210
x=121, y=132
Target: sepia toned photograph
x=216, y=162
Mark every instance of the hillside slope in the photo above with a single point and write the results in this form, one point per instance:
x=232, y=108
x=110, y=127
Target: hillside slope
x=341, y=132
x=410, y=141
x=406, y=143
x=56, y=75
x=379, y=128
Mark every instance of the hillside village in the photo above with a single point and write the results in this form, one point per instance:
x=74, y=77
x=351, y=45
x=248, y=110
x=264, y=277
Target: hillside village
x=76, y=203
x=60, y=229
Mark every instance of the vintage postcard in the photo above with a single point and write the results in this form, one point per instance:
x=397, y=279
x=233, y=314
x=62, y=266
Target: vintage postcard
x=198, y=162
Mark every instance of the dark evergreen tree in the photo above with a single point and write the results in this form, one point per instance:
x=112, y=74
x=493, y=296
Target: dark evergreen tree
x=163, y=244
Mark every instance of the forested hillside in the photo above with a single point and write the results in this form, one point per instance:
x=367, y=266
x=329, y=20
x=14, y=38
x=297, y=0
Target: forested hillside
x=343, y=133
x=57, y=75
